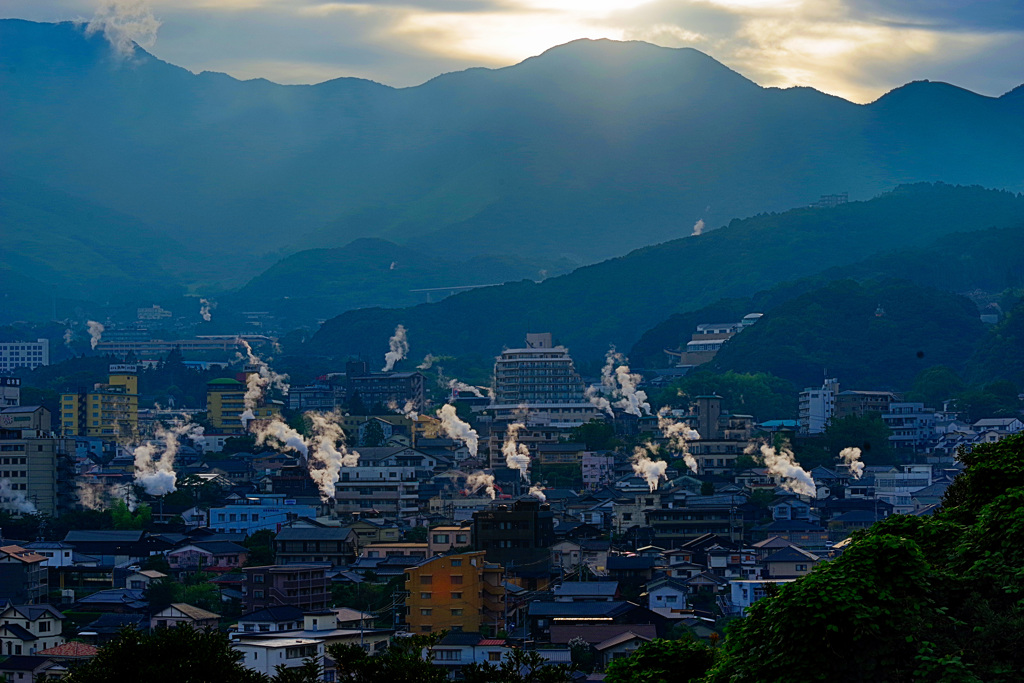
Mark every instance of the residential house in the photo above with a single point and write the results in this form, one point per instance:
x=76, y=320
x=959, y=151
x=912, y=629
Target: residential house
x=455, y=593
x=790, y=563
x=29, y=668
x=622, y=645
x=27, y=629
x=111, y=547
x=586, y=591
x=139, y=581
x=117, y=600
x=544, y=615
x=459, y=648
x=666, y=596
x=178, y=613
x=745, y=592
x=209, y=556
x=270, y=620
x=333, y=545
x=441, y=539
x=258, y=512
x=23, y=575
x=266, y=655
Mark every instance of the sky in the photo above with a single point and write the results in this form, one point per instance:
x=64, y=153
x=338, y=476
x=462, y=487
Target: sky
x=856, y=49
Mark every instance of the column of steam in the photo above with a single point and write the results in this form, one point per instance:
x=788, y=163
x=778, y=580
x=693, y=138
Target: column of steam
x=257, y=383
x=679, y=434
x=782, y=463
x=156, y=475
x=621, y=384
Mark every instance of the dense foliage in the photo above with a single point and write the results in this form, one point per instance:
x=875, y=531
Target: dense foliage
x=760, y=394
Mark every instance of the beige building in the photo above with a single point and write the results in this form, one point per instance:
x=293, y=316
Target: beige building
x=35, y=463
x=109, y=410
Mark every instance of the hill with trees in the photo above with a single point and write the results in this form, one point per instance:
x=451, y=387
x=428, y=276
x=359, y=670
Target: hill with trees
x=616, y=300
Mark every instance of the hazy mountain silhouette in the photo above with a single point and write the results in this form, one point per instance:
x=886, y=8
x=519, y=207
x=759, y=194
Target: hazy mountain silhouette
x=586, y=151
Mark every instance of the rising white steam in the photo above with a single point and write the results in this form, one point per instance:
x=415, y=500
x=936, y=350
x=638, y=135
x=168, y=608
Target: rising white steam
x=851, y=456
x=782, y=464
x=95, y=332
x=456, y=428
x=679, y=434
x=621, y=384
x=651, y=471
x=15, y=501
x=480, y=480
x=277, y=432
x=399, y=349
x=428, y=362
x=517, y=455
x=328, y=453
x=408, y=410
x=457, y=386
x=538, y=493
x=97, y=495
x=124, y=24
x=68, y=337
x=698, y=228
x=205, y=307
x=156, y=474
x=257, y=382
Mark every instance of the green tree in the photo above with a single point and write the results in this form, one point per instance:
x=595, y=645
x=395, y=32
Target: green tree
x=126, y=519
x=374, y=434
x=662, y=661
x=998, y=399
x=261, y=548
x=402, y=662
x=175, y=655
x=518, y=666
x=163, y=592
x=596, y=435
x=867, y=432
x=934, y=385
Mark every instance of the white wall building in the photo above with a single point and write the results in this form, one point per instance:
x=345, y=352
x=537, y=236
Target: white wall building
x=23, y=354
x=265, y=655
x=817, y=406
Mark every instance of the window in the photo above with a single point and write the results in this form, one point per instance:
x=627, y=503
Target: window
x=426, y=579
x=801, y=567
x=257, y=594
x=494, y=656
x=456, y=596
x=425, y=612
x=457, y=612
x=425, y=596
x=449, y=655
x=456, y=563
x=44, y=626
x=257, y=578
x=426, y=628
x=456, y=579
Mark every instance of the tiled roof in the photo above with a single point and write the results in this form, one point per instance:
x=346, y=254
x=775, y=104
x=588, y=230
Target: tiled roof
x=193, y=612
x=72, y=649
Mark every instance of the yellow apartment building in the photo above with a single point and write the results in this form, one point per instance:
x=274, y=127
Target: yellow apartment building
x=455, y=593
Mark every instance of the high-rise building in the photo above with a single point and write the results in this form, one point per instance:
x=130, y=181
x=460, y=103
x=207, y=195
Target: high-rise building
x=35, y=464
x=381, y=389
x=518, y=538
x=455, y=593
x=541, y=379
x=225, y=403
x=109, y=410
x=24, y=354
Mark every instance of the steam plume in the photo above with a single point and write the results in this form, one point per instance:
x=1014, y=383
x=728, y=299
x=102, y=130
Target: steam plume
x=517, y=455
x=620, y=383
x=204, y=309
x=96, y=495
x=328, y=454
x=456, y=385
x=782, y=464
x=399, y=349
x=538, y=493
x=15, y=501
x=678, y=434
x=124, y=24
x=156, y=474
x=287, y=438
x=428, y=362
x=95, y=332
x=258, y=382
x=408, y=410
x=851, y=456
x=652, y=471
x=68, y=337
x=456, y=428
x=480, y=480
x=698, y=227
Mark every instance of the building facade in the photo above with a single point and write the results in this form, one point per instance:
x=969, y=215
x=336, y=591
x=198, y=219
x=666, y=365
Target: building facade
x=36, y=464
x=24, y=354
x=817, y=407
x=109, y=410
x=455, y=593
x=304, y=586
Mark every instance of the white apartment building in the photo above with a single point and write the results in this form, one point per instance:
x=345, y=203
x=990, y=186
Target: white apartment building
x=817, y=406
x=23, y=354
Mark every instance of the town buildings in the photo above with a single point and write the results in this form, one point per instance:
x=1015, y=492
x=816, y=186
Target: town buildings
x=24, y=354
x=817, y=406
x=108, y=410
x=304, y=586
x=35, y=463
x=455, y=593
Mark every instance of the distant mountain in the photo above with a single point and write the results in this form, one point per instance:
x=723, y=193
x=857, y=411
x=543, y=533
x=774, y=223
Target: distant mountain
x=586, y=151
x=617, y=300
x=373, y=272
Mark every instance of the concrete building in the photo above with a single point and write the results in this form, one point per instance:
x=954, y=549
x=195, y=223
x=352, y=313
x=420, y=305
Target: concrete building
x=10, y=392
x=300, y=585
x=322, y=396
x=380, y=389
x=36, y=464
x=109, y=410
x=301, y=545
x=912, y=426
x=455, y=593
x=23, y=575
x=542, y=378
x=258, y=512
x=265, y=655
x=518, y=538
x=24, y=354
x=860, y=403
x=818, y=406
x=225, y=403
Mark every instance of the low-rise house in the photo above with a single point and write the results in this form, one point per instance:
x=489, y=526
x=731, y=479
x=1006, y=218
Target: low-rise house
x=441, y=539
x=31, y=668
x=208, y=556
x=544, y=614
x=586, y=591
x=299, y=545
x=790, y=563
x=27, y=629
x=111, y=547
x=70, y=653
x=622, y=645
x=140, y=580
x=667, y=596
x=745, y=592
x=106, y=627
x=266, y=654
x=271, y=620
x=118, y=600
x=458, y=649
x=178, y=613
x=57, y=553
x=598, y=633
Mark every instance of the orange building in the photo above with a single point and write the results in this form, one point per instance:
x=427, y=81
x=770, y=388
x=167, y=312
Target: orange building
x=455, y=593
